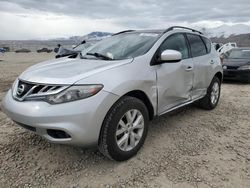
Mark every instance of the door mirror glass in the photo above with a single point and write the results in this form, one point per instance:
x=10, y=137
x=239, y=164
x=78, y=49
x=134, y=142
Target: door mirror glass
x=168, y=56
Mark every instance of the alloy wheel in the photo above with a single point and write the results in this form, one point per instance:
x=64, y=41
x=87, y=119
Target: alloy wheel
x=215, y=93
x=130, y=130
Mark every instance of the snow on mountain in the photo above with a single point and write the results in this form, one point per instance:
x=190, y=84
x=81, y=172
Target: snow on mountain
x=96, y=35
x=227, y=30
x=221, y=31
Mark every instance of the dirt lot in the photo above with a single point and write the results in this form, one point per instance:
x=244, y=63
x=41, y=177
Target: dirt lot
x=188, y=148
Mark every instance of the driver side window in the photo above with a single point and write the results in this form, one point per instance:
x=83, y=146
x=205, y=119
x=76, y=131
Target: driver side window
x=176, y=42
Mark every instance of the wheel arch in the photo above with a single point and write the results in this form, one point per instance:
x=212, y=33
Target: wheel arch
x=219, y=75
x=144, y=98
x=139, y=95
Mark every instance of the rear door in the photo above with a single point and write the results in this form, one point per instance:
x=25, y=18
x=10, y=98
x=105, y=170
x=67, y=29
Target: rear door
x=174, y=79
x=200, y=51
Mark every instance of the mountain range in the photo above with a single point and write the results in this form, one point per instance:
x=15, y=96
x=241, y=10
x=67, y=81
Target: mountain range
x=239, y=33
x=96, y=35
x=227, y=30
x=223, y=31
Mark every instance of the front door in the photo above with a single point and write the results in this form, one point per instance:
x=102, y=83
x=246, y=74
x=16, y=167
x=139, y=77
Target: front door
x=174, y=79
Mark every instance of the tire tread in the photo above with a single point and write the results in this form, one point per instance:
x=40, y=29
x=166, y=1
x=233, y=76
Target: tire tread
x=205, y=102
x=102, y=144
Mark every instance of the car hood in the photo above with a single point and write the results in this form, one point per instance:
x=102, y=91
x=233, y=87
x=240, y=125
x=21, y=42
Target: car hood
x=236, y=62
x=67, y=70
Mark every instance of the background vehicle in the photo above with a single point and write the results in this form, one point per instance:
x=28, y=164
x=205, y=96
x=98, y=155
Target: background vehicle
x=227, y=47
x=23, y=50
x=236, y=64
x=2, y=50
x=6, y=48
x=217, y=45
x=44, y=50
x=108, y=94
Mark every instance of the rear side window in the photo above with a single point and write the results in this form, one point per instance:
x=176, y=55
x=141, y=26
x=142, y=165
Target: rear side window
x=176, y=42
x=207, y=43
x=197, y=46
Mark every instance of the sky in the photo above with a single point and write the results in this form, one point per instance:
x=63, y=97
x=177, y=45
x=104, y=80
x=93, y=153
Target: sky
x=47, y=19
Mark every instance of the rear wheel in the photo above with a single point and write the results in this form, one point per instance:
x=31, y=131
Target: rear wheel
x=212, y=97
x=124, y=129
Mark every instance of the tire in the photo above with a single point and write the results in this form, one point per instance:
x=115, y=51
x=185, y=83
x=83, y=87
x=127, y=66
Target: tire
x=110, y=135
x=207, y=102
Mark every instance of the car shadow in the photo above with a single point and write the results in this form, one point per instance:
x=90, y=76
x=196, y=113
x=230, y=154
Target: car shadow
x=235, y=82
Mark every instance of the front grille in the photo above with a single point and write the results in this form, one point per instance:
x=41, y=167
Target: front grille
x=232, y=67
x=26, y=90
x=23, y=88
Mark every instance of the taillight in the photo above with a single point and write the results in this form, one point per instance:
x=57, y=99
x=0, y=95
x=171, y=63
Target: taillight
x=221, y=61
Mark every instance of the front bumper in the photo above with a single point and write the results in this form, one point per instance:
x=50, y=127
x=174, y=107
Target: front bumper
x=239, y=75
x=81, y=120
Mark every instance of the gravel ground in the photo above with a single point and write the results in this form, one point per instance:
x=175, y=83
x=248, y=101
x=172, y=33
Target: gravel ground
x=187, y=148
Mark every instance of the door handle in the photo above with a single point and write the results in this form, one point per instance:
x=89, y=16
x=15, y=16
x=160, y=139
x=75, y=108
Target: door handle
x=189, y=68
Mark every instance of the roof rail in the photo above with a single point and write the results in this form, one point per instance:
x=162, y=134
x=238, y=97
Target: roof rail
x=180, y=27
x=123, y=32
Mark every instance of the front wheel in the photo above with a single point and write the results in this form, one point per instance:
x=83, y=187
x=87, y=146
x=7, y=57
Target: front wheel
x=124, y=129
x=212, y=97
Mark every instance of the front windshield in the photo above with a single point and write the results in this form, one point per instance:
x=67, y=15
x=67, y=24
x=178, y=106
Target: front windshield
x=122, y=46
x=238, y=54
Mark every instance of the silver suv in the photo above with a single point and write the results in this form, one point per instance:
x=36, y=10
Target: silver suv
x=108, y=94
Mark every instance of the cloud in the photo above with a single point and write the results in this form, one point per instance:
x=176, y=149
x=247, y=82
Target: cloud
x=109, y=15
x=50, y=26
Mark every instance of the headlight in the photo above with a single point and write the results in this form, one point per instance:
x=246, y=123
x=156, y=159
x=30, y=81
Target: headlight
x=244, y=67
x=74, y=93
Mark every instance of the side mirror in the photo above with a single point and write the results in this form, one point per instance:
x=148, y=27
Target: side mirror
x=170, y=56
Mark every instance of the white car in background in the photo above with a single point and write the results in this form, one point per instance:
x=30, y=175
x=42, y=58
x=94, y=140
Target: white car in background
x=227, y=47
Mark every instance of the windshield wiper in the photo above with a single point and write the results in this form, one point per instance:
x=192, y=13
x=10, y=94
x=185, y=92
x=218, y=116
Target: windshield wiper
x=82, y=57
x=98, y=55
